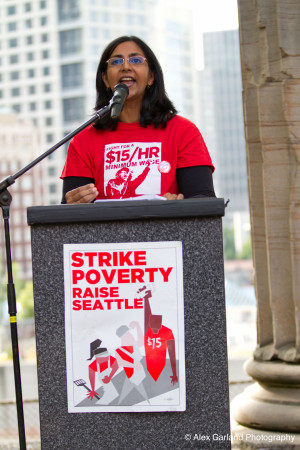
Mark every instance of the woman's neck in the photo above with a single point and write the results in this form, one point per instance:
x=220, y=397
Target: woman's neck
x=131, y=113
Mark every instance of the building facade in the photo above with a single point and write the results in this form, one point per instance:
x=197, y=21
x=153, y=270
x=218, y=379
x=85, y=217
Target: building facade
x=222, y=117
x=20, y=143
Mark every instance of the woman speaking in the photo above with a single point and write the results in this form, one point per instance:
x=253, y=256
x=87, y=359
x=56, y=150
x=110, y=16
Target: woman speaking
x=164, y=152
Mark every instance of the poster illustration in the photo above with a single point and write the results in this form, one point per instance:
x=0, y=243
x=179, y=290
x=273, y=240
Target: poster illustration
x=124, y=325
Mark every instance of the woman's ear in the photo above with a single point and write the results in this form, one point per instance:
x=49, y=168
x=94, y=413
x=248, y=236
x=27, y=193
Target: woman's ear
x=151, y=79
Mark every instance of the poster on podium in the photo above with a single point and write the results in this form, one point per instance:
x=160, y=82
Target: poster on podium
x=124, y=326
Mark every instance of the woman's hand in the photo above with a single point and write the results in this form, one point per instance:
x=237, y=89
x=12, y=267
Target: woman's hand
x=173, y=196
x=83, y=194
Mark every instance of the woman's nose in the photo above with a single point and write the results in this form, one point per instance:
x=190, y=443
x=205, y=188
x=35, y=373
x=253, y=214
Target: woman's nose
x=126, y=64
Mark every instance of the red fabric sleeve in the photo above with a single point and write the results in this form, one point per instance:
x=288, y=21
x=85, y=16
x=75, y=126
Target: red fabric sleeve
x=192, y=150
x=77, y=164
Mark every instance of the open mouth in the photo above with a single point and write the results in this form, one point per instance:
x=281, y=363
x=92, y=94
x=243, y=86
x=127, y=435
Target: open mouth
x=129, y=81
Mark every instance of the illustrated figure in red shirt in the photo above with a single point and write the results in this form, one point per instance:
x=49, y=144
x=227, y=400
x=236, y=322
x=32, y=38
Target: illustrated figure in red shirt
x=103, y=363
x=123, y=186
x=157, y=340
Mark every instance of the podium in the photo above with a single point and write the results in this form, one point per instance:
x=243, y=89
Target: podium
x=197, y=225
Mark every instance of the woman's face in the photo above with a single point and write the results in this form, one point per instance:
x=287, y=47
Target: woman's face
x=136, y=76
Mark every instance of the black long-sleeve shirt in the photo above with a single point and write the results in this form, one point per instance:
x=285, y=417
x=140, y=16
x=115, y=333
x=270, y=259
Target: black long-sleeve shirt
x=193, y=181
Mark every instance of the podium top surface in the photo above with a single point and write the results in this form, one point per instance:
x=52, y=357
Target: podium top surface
x=126, y=210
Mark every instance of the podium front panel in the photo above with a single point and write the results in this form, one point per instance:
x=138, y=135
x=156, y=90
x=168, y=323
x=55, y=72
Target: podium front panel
x=197, y=225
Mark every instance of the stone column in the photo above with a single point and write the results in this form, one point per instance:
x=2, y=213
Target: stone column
x=270, y=58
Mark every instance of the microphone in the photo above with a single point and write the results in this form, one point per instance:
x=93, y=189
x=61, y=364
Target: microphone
x=119, y=96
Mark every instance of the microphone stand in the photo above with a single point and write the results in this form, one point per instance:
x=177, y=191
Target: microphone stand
x=5, y=201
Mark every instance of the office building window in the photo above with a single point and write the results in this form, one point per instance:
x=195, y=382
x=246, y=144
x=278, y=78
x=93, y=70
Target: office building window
x=94, y=33
x=48, y=104
x=48, y=121
x=13, y=42
x=17, y=252
x=31, y=90
x=28, y=23
x=129, y=19
x=141, y=4
x=47, y=87
x=141, y=20
x=45, y=37
x=46, y=70
x=49, y=137
x=43, y=4
x=1, y=93
x=32, y=106
x=45, y=54
x=27, y=199
x=14, y=75
x=17, y=218
x=30, y=56
x=13, y=59
x=27, y=7
x=73, y=109
x=15, y=92
x=29, y=40
x=68, y=10
x=51, y=171
x=43, y=21
x=52, y=188
x=12, y=26
x=71, y=75
x=16, y=108
x=70, y=41
x=17, y=235
x=30, y=73
x=105, y=17
x=105, y=34
x=11, y=10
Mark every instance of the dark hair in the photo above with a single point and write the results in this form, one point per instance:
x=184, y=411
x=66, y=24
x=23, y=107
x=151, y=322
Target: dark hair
x=123, y=169
x=156, y=109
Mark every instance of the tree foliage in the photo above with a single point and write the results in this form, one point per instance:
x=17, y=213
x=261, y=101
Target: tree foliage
x=229, y=246
x=246, y=252
x=228, y=243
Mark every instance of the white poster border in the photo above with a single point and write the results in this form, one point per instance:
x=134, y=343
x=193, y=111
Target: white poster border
x=69, y=338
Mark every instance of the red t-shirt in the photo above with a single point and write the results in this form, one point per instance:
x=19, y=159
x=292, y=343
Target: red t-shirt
x=100, y=154
x=156, y=350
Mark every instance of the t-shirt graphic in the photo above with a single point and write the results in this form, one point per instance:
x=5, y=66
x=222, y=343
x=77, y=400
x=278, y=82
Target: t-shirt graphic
x=156, y=350
x=132, y=169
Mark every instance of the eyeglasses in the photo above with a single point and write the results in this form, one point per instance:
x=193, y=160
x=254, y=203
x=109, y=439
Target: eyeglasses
x=117, y=61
